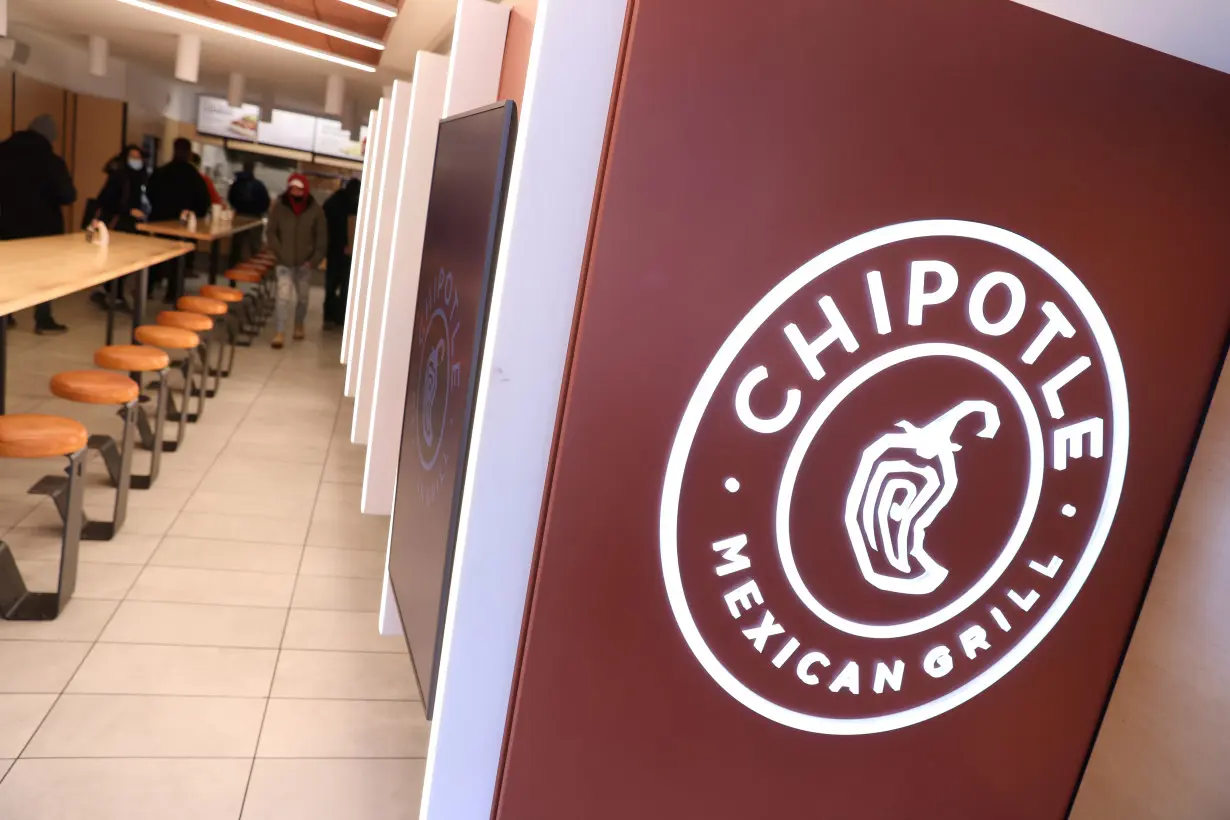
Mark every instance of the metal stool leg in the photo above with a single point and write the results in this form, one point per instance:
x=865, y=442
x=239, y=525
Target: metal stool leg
x=17, y=603
x=153, y=441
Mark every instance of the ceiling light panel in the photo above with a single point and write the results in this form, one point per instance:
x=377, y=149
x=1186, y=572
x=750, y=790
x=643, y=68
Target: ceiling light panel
x=374, y=6
x=247, y=34
x=308, y=23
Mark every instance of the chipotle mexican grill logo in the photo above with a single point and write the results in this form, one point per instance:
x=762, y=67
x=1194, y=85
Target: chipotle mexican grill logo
x=894, y=477
x=438, y=374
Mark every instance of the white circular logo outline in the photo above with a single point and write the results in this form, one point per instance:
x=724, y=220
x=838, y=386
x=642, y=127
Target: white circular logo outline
x=811, y=428
x=690, y=421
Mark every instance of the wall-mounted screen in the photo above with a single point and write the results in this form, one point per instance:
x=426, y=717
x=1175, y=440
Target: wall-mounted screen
x=464, y=212
x=216, y=117
x=286, y=129
x=332, y=140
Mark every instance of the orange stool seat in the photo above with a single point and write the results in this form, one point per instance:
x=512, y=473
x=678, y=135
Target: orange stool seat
x=196, y=322
x=168, y=338
x=243, y=275
x=33, y=435
x=201, y=304
x=131, y=358
x=222, y=293
x=94, y=387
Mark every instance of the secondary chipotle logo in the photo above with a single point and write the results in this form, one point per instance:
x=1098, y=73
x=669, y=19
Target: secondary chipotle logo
x=894, y=477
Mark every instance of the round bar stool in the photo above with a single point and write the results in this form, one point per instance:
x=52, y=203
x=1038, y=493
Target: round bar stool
x=219, y=312
x=257, y=308
x=203, y=326
x=29, y=435
x=137, y=359
x=98, y=387
x=173, y=339
x=235, y=321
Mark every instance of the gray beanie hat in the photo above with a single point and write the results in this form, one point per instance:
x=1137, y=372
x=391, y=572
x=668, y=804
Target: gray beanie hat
x=43, y=124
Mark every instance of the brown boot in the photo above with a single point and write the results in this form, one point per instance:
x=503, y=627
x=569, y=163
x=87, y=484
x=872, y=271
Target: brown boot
x=298, y=333
x=279, y=339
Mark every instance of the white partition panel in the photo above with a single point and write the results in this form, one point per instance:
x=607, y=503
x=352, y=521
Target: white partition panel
x=479, y=32
x=397, y=116
x=360, y=226
x=362, y=263
x=395, y=327
x=563, y=124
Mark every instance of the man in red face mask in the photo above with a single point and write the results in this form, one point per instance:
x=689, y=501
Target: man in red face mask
x=298, y=236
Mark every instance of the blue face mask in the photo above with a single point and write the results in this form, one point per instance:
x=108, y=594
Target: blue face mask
x=136, y=164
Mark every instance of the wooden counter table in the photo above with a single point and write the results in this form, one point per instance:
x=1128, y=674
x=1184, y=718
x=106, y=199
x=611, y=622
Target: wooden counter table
x=205, y=231
x=33, y=271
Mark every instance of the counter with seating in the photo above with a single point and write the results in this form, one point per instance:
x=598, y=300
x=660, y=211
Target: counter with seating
x=195, y=344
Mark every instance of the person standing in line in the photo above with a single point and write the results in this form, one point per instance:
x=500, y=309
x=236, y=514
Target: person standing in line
x=299, y=239
x=214, y=197
x=341, y=209
x=173, y=189
x=248, y=197
x=122, y=204
x=35, y=185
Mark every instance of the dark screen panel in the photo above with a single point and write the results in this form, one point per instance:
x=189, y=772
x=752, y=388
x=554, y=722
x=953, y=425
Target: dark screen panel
x=464, y=213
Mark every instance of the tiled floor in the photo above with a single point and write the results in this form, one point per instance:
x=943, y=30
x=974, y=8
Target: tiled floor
x=220, y=660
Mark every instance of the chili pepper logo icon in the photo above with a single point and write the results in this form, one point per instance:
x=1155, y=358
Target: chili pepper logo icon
x=431, y=383
x=904, y=480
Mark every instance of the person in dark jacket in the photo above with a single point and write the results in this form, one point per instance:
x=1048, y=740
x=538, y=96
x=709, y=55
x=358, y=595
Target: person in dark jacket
x=341, y=209
x=174, y=189
x=248, y=197
x=122, y=204
x=35, y=185
x=299, y=239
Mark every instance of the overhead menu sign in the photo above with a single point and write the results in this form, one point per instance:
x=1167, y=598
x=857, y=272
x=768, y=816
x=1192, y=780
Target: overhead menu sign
x=287, y=129
x=216, y=117
x=334, y=141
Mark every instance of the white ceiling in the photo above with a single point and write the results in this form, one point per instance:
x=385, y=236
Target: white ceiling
x=148, y=39
x=1196, y=30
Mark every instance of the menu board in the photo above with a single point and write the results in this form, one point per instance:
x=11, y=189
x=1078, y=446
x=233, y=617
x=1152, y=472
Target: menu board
x=334, y=141
x=289, y=130
x=216, y=117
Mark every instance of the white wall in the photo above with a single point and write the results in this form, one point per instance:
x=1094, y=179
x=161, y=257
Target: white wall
x=555, y=168
x=361, y=279
x=394, y=330
x=477, y=56
x=360, y=230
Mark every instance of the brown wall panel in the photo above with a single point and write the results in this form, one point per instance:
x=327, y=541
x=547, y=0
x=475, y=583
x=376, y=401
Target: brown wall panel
x=6, y=103
x=34, y=98
x=99, y=137
x=742, y=196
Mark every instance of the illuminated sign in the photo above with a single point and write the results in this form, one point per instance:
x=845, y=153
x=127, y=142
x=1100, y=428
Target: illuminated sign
x=942, y=488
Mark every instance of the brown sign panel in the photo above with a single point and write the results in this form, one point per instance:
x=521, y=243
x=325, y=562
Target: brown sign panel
x=899, y=325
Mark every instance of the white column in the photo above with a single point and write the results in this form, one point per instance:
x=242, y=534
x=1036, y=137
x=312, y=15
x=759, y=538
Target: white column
x=235, y=89
x=335, y=93
x=373, y=168
x=394, y=330
x=477, y=56
x=554, y=172
x=397, y=117
x=365, y=192
x=188, y=58
x=98, y=55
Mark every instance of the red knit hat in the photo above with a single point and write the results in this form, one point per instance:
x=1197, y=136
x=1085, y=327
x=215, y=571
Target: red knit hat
x=297, y=180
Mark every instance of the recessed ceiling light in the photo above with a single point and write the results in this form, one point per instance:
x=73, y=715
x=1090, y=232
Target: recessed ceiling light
x=247, y=34
x=304, y=22
x=374, y=6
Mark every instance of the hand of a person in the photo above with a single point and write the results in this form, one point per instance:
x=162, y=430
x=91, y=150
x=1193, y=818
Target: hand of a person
x=138, y=214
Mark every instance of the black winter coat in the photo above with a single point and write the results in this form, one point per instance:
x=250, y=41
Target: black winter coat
x=177, y=187
x=35, y=185
x=248, y=195
x=123, y=192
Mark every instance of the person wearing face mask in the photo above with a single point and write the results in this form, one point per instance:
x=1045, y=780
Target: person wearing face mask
x=298, y=236
x=121, y=204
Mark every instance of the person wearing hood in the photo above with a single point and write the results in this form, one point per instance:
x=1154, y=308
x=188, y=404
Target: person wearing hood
x=35, y=185
x=298, y=237
x=121, y=204
x=249, y=197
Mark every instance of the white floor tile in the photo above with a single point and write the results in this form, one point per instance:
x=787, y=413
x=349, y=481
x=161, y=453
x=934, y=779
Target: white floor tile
x=29, y=667
x=344, y=675
x=333, y=789
x=108, y=582
x=82, y=620
x=149, y=726
x=332, y=562
x=124, y=789
x=209, y=586
x=20, y=716
x=241, y=528
x=340, y=631
x=342, y=594
x=343, y=728
x=196, y=625
x=139, y=669
x=201, y=553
